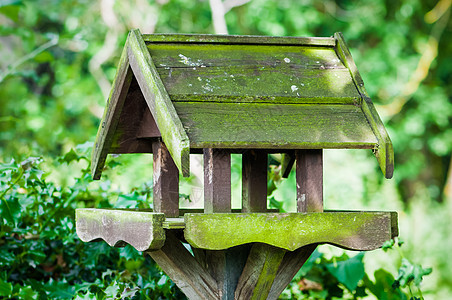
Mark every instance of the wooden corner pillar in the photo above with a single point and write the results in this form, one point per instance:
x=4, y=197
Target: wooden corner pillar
x=166, y=181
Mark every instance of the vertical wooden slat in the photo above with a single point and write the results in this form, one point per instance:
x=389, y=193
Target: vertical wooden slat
x=309, y=175
x=166, y=181
x=254, y=181
x=217, y=181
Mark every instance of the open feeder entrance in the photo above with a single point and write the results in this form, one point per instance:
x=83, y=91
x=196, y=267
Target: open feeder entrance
x=233, y=94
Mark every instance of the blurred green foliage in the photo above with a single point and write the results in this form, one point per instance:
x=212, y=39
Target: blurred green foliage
x=58, y=58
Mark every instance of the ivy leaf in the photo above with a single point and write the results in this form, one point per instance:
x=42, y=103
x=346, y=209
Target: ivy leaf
x=409, y=272
x=27, y=293
x=10, y=210
x=70, y=157
x=348, y=272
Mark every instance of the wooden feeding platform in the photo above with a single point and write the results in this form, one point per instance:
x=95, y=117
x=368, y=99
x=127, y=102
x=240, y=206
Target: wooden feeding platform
x=216, y=95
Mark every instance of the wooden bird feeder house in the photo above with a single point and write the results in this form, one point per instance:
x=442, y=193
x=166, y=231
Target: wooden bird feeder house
x=215, y=95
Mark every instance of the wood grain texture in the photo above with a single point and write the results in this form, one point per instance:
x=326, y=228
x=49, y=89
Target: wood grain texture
x=238, y=39
x=217, y=180
x=207, y=55
x=111, y=115
x=166, y=181
x=309, y=178
x=259, y=273
x=226, y=266
x=273, y=126
x=159, y=103
x=292, y=262
x=185, y=271
x=141, y=230
x=384, y=150
x=349, y=230
x=259, y=84
x=254, y=181
x=135, y=122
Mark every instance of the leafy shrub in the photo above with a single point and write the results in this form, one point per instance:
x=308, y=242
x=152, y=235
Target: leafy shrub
x=41, y=256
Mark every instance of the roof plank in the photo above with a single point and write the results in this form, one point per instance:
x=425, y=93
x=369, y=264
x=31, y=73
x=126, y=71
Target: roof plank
x=258, y=84
x=112, y=112
x=209, y=55
x=274, y=126
x=384, y=151
x=238, y=39
x=165, y=116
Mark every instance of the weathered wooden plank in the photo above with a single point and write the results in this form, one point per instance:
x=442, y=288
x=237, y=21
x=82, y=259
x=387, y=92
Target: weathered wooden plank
x=111, y=115
x=226, y=267
x=292, y=262
x=259, y=272
x=287, y=161
x=349, y=230
x=142, y=230
x=270, y=126
x=183, y=269
x=166, y=181
x=217, y=180
x=384, y=151
x=254, y=181
x=238, y=39
x=309, y=177
x=159, y=103
x=255, y=83
x=208, y=55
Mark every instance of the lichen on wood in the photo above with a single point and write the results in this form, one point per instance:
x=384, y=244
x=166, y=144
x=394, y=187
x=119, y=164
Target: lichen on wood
x=142, y=230
x=290, y=231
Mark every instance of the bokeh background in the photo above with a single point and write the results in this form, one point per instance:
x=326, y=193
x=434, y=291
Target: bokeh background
x=59, y=57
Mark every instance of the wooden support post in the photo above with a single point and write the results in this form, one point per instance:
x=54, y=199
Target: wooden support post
x=309, y=174
x=254, y=181
x=166, y=181
x=226, y=267
x=217, y=181
x=292, y=262
x=259, y=272
x=184, y=270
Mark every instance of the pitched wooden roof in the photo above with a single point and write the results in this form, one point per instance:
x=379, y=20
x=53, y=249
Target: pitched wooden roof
x=238, y=92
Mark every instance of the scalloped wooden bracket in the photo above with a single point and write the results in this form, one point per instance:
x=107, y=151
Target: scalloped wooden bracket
x=349, y=230
x=142, y=230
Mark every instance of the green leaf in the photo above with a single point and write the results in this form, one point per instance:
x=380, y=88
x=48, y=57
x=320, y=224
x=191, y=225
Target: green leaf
x=382, y=288
x=112, y=290
x=409, y=272
x=387, y=245
x=27, y=293
x=10, y=210
x=69, y=157
x=10, y=8
x=6, y=288
x=348, y=272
